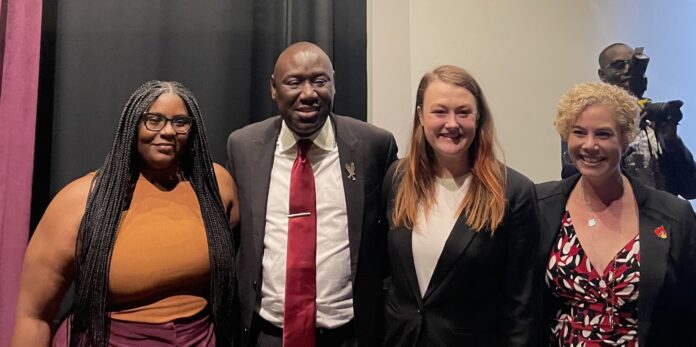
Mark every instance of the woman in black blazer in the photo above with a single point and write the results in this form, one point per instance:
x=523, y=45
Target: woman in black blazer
x=463, y=227
x=619, y=257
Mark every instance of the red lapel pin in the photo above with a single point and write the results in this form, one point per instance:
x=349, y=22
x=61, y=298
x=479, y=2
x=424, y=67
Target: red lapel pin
x=661, y=232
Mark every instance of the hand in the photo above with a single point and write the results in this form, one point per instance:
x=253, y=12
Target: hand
x=665, y=117
x=667, y=129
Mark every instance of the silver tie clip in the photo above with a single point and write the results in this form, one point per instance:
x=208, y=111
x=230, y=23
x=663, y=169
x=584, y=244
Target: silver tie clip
x=301, y=214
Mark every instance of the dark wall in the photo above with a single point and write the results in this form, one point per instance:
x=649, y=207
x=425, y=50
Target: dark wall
x=95, y=53
x=106, y=49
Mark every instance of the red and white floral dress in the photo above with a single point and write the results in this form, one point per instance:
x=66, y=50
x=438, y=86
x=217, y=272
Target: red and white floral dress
x=595, y=309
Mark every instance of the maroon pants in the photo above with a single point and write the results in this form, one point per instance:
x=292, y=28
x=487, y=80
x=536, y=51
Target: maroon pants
x=188, y=332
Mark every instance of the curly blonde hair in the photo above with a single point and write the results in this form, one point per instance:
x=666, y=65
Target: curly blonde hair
x=624, y=108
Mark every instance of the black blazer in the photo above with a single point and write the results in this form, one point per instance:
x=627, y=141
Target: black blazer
x=250, y=159
x=667, y=289
x=481, y=291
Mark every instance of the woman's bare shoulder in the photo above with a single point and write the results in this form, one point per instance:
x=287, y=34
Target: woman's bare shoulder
x=228, y=193
x=76, y=191
x=65, y=211
x=224, y=180
x=56, y=234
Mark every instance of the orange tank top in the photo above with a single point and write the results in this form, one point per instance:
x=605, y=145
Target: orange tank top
x=159, y=268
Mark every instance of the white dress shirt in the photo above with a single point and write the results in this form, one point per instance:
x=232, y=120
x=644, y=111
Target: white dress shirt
x=430, y=233
x=334, y=290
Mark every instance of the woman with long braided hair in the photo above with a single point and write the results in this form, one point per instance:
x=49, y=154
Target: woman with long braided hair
x=146, y=238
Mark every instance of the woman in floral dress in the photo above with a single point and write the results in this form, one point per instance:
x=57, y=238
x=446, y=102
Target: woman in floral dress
x=619, y=258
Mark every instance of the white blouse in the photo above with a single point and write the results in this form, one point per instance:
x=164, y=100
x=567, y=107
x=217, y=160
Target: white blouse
x=431, y=232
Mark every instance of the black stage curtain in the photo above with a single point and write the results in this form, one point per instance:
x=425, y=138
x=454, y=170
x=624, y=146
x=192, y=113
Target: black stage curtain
x=95, y=53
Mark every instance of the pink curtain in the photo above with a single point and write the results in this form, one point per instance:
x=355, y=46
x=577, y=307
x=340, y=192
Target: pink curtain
x=20, y=34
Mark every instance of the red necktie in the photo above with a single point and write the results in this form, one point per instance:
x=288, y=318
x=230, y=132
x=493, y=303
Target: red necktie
x=300, y=272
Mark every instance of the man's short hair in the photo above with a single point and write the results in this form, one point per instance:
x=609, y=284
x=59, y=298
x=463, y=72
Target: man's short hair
x=607, y=48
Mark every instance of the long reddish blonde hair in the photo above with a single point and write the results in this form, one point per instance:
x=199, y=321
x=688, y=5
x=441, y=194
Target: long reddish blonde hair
x=484, y=203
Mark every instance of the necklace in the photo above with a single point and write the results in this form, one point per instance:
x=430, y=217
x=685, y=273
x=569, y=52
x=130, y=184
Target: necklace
x=594, y=219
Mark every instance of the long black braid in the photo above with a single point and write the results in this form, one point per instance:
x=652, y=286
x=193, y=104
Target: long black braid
x=111, y=195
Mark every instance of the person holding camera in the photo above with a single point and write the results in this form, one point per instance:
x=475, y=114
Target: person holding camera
x=657, y=157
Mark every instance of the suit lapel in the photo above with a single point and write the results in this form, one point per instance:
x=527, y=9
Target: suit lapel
x=551, y=210
x=403, y=240
x=653, y=258
x=458, y=240
x=261, y=158
x=349, y=154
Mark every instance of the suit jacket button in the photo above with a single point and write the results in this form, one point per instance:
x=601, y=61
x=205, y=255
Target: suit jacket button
x=246, y=330
x=253, y=284
x=419, y=311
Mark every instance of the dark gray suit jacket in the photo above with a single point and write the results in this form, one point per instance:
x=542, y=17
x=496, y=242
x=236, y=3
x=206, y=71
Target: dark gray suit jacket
x=250, y=160
x=667, y=289
x=482, y=290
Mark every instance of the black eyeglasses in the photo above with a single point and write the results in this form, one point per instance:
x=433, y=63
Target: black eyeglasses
x=157, y=122
x=618, y=64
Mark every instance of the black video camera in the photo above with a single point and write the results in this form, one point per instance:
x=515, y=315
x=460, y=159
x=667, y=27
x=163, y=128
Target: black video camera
x=654, y=112
x=637, y=82
x=657, y=112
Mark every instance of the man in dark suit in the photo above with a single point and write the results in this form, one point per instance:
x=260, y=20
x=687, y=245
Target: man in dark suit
x=348, y=161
